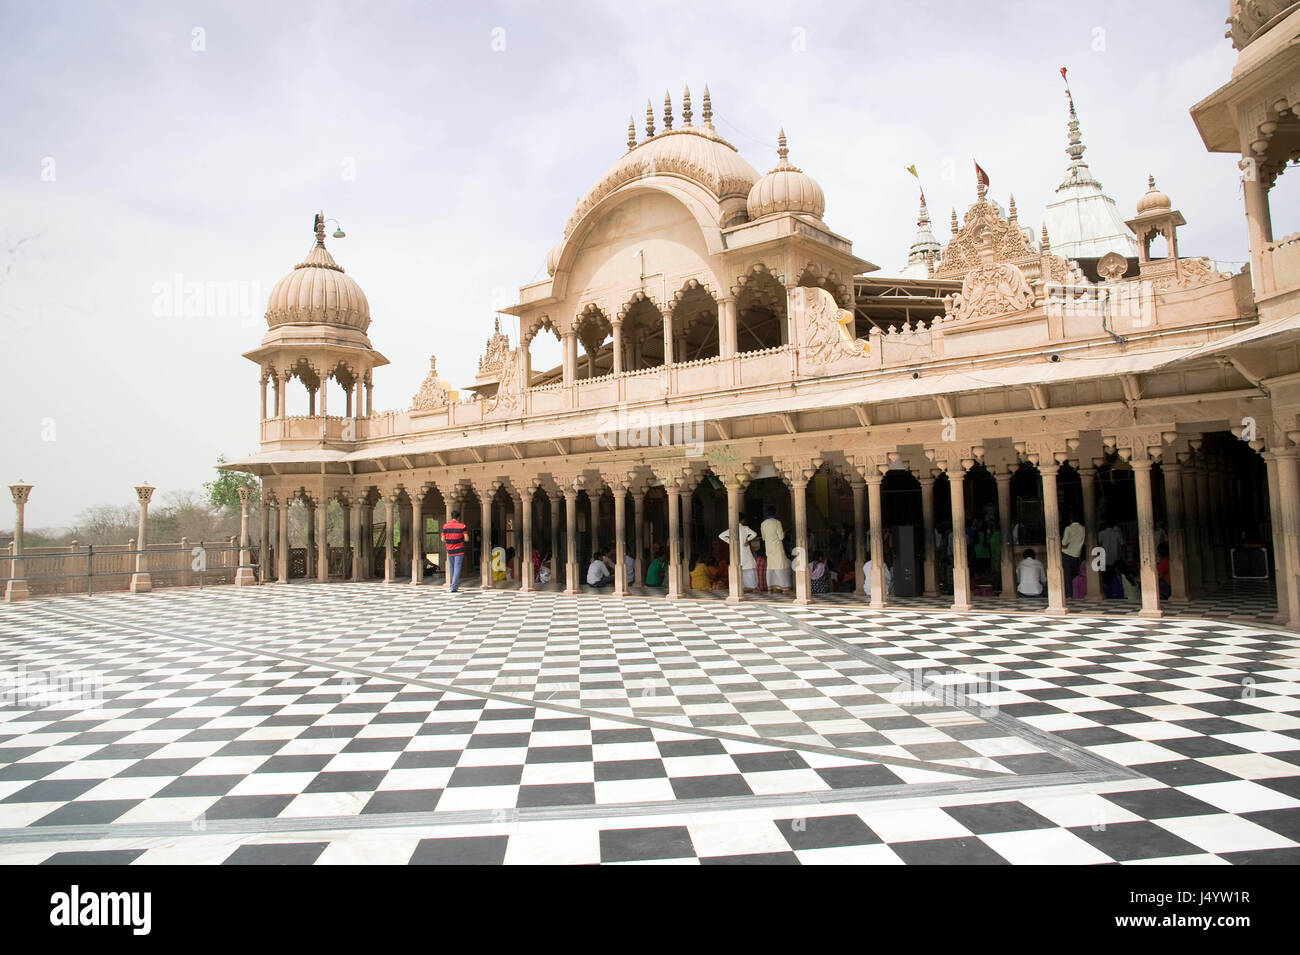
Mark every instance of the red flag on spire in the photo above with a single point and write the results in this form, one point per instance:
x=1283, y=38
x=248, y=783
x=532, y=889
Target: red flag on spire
x=981, y=176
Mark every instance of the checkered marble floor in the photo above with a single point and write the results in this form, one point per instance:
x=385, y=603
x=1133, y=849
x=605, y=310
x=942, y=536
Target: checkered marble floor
x=341, y=723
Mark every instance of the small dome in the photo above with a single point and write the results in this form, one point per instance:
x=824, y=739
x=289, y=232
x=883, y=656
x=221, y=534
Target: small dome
x=317, y=292
x=553, y=257
x=1154, y=201
x=786, y=189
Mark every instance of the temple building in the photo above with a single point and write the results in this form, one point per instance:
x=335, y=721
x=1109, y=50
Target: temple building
x=726, y=355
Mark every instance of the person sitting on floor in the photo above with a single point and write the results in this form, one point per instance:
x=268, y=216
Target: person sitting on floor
x=657, y=571
x=718, y=571
x=1031, y=576
x=700, y=579
x=821, y=578
x=598, y=574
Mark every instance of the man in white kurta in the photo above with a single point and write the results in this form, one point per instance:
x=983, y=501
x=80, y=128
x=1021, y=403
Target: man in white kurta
x=778, y=565
x=748, y=566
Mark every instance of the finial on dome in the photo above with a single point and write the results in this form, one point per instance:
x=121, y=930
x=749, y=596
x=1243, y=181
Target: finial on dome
x=668, y=112
x=319, y=225
x=1151, y=181
x=923, y=216
x=686, y=106
x=708, y=107
x=782, y=149
x=649, y=119
x=631, y=133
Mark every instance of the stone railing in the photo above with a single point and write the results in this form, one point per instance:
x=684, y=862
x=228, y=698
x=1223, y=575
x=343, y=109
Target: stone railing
x=103, y=568
x=1280, y=267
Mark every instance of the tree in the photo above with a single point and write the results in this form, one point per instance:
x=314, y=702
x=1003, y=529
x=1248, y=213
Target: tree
x=224, y=491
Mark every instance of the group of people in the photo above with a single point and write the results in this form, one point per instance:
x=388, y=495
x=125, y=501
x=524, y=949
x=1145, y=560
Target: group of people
x=1119, y=578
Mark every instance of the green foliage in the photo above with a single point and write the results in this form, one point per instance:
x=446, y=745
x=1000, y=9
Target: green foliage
x=223, y=492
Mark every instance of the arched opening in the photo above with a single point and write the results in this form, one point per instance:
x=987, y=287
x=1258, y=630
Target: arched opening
x=300, y=400
x=695, y=324
x=984, y=531
x=595, y=334
x=761, y=312
x=545, y=353
x=643, y=335
x=704, y=554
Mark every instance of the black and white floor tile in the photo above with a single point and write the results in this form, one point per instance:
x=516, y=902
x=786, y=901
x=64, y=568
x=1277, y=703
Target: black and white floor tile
x=337, y=723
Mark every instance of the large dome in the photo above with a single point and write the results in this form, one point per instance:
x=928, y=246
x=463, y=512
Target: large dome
x=696, y=153
x=318, y=292
x=785, y=189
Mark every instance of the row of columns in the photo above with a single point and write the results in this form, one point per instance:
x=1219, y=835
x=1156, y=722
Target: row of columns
x=278, y=398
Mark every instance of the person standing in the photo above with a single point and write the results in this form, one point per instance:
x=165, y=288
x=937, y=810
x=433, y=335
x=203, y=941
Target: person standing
x=453, y=536
x=1072, y=550
x=779, y=578
x=1111, y=540
x=748, y=566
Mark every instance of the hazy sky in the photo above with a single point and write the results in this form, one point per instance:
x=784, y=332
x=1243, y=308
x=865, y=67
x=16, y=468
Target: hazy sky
x=452, y=142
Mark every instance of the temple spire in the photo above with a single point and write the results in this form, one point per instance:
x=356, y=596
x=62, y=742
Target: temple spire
x=955, y=228
x=668, y=112
x=708, y=107
x=1046, y=243
x=686, y=106
x=649, y=119
x=631, y=133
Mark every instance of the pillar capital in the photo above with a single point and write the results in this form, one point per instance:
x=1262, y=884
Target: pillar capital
x=245, y=494
x=143, y=492
x=21, y=491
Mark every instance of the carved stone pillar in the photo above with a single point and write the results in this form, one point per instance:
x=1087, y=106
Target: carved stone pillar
x=1052, y=531
x=859, y=489
x=1288, y=566
x=282, y=530
x=16, y=586
x=674, y=540
x=1088, y=487
x=354, y=518
x=638, y=514
x=390, y=519
x=322, y=543
x=1006, y=557
x=554, y=501
x=727, y=334
x=620, y=537
x=1172, y=472
x=264, y=541
x=572, y=582
x=417, y=535
x=875, y=514
x=486, y=498
x=140, y=582
x=799, y=497
x=1146, y=537
x=524, y=559
x=735, y=578
x=960, y=564
x=618, y=346
x=244, y=574
x=668, y=339
x=687, y=546
x=1191, y=521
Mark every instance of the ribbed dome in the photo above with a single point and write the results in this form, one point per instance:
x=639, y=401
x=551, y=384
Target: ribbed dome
x=1154, y=200
x=553, y=258
x=696, y=153
x=317, y=292
x=786, y=189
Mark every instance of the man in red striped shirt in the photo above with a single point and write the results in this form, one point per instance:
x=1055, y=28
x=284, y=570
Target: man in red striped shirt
x=453, y=535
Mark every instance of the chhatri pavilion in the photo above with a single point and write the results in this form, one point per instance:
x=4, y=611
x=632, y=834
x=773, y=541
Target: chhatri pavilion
x=726, y=352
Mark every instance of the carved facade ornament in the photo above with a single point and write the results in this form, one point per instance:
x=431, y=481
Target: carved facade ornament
x=433, y=393
x=989, y=290
x=1191, y=273
x=496, y=353
x=508, y=397
x=822, y=327
x=1247, y=18
x=984, y=223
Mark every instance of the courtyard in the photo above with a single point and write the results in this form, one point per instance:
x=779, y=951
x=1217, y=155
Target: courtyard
x=361, y=722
